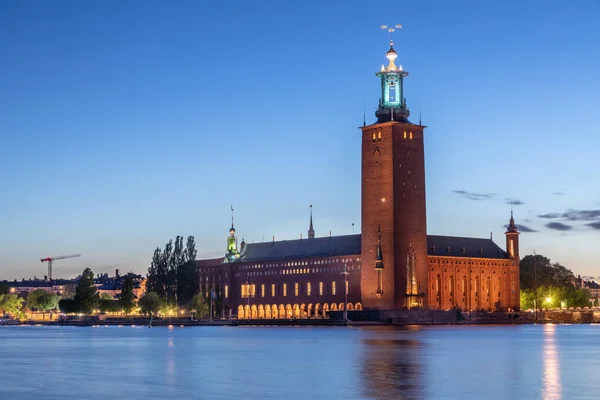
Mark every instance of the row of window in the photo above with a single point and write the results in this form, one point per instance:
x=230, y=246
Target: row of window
x=297, y=263
x=249, y=289
x=377, y=136
x=296, y=271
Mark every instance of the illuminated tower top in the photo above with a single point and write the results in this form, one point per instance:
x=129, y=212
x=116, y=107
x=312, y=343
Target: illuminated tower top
x=392, y=104
x=232, y=249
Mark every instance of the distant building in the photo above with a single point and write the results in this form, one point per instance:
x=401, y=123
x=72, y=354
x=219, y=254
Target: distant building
x=114, y=285
x=393, y=264
x=25, y=286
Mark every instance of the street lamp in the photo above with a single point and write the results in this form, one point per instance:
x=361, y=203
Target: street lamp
x=345, y=273
x=548, y=300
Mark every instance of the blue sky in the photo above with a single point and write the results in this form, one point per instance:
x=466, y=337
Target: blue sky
x=126, y=123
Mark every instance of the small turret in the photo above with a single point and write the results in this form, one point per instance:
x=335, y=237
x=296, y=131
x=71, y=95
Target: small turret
x=512, y=238
x=311, y=230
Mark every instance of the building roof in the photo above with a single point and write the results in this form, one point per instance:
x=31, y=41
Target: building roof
x=449, y=246
x=302, y=248
x=454, y=246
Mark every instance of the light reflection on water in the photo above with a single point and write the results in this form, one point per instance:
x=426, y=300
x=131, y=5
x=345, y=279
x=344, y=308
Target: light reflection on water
x=551, y=382
x=450, y=362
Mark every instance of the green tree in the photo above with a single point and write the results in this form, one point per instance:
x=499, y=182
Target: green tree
x=86, y=295
x=41, y=300
x=150, y=303
x=106, y=296
x=200, y=306
x=127, y=299
x=110, y=305
x=545, y=272
x=11, y=304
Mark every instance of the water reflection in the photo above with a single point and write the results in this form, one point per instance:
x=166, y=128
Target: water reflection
x=391, y=369
x=551, y=386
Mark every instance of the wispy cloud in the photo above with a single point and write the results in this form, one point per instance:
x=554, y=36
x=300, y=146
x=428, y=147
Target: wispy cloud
x=574, y=215
x=559, y=193
x=594, y=225
x=522, y=228
x=474, y=196
x=558, y=226
x=513, y=202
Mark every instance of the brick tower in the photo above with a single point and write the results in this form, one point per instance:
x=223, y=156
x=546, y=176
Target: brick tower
x=394, y=229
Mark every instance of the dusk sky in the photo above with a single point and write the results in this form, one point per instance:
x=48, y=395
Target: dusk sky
x=126, y=123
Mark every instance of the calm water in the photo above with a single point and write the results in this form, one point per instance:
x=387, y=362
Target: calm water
x=496, y=362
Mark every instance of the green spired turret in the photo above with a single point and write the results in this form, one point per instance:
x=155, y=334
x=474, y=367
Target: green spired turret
x=232, y=249
x=392, y=104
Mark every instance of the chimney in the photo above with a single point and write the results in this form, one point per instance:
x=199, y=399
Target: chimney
x=117, y=273
x=273, y=239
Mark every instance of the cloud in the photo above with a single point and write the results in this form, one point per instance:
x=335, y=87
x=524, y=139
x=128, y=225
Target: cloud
x=594, y=225
x=474, y=196
x=558, y=226
x=558, y=193
x=522, y=228
x=574, y=215
x=513, y=202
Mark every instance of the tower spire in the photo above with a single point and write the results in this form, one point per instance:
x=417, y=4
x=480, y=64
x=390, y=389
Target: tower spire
x=392, y=104
x=232, y=216
x=311, y=230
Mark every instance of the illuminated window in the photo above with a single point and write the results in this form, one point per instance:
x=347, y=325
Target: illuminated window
x=320, y=288
x=404, y=134
x=284, y=289
x=308, y=289
x=374, y=136
x=252, y=290
x=243, y=291
x=226, y=291
x=296, y=289
x=379, y=135
x=333, y=288
x=410, y=137
x=272, y=290
x=346, y=287
x=262, y=290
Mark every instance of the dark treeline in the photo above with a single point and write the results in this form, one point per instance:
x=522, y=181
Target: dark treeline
x=172, y=274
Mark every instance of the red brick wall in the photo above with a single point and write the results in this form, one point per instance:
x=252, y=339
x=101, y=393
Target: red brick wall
x=393, y=197
x=473, y=283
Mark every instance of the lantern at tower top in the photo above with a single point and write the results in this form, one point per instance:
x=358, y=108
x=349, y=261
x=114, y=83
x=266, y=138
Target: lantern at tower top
x=392, y=104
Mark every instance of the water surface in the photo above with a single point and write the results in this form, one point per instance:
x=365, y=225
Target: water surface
x=449, y=362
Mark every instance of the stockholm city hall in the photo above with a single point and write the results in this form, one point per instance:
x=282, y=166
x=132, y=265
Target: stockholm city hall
x=392, y=265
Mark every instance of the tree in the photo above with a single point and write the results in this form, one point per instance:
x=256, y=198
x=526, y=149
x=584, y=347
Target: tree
x=4, y=288
x=152, y=282
x=544, y=272
x=199, y=306
x=110, y=305
x=42, y=300
x=190, y=252
x=68, y=291
x=150, y=303
x=10, y=304
x=68, y=306
x=106, y=296
x=86, y=295
x=127, y=300
x=32, y=299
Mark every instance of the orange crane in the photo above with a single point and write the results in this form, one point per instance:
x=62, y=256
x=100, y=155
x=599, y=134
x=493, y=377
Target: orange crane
x=51, y=259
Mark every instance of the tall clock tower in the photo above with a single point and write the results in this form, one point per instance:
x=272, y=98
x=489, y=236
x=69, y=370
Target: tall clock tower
x=394, y=229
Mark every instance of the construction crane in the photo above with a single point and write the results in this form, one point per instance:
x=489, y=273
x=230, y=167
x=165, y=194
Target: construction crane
x=51, y=259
